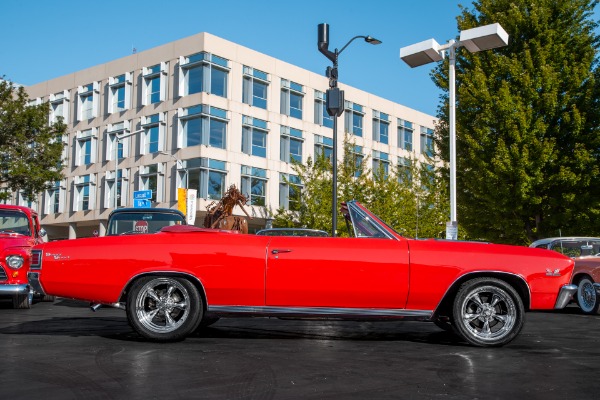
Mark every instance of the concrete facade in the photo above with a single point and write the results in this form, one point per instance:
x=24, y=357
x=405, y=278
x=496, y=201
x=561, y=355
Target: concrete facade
x=100, y=116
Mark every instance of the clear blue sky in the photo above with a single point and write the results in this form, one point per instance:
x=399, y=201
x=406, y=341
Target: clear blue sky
x=47, y=39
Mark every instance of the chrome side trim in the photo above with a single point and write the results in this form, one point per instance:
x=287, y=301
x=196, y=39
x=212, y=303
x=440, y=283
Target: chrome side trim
x=323, y=312
x=14, y=289
x=564, y=296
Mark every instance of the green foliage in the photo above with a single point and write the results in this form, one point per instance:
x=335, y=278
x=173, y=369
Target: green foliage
x=412, y=200
x=527, y=123
x=30, y=149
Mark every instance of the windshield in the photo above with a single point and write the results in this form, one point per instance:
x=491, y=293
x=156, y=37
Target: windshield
x=135, y=222
x=577, y=248
x=14, y=222
x=364, y=225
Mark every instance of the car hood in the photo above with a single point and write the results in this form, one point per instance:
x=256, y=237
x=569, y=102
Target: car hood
x=12, y=241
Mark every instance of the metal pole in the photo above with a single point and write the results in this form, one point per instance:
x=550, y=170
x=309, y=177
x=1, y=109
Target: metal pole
x=116, y=169
x=452, y=116
x=335, y=158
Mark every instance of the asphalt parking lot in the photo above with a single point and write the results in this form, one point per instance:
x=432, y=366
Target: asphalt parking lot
x=65, y=351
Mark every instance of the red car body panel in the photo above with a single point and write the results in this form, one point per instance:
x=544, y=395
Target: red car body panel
x=587, y=266
x=248, y=270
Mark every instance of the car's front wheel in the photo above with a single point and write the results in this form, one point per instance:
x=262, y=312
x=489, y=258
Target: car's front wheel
x=488, y=312
x=22, y=301
x=586, y=296
x=164, y=308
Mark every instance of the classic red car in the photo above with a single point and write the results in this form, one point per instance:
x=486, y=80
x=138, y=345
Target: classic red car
x=586, y=276
x=183, y=278
x=19, y=232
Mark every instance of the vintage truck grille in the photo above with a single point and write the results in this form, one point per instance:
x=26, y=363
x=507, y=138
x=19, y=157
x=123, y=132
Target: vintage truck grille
x=3, y=276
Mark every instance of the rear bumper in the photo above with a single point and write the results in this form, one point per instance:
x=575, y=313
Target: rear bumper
x=564, y=296
x=9, y=290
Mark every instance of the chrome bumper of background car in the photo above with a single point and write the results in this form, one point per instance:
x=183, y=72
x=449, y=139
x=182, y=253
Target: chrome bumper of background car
x=597, y=287
x=34, y=281
x=564, y=296
x=14, y=289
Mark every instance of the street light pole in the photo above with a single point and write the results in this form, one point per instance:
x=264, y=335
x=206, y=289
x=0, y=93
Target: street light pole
x=476, y=39
x=334, y=101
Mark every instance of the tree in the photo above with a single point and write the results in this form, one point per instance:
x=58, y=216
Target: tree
x=411, y=198
x=527, y=122
x=30, y=148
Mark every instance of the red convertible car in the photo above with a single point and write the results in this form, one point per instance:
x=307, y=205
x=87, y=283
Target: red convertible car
x=183, y=278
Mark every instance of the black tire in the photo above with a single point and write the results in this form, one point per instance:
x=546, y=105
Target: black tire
x=488, y=312
x=586, y=296
x=22, y=301
x=164, y=308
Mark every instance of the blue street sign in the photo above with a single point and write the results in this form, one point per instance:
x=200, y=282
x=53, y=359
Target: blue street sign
x=142, y=194
x=141, y=203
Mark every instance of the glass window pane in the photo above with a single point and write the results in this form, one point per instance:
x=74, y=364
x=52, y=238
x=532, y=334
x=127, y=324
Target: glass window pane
x=194, y=80
x=217, y=133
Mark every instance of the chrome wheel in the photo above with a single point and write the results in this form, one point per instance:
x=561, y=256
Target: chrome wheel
x=488, y=312
x=164, y=308
x=162, y=305
x=586, y=296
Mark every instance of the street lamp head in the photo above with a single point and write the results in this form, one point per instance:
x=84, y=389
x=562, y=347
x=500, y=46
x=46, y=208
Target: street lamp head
x=421, y=53
x=484, y=38
x=323, y=42
x=372, y=40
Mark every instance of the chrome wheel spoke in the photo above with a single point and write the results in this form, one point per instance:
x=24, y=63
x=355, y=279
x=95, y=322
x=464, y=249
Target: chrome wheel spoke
x=152, y=294
x=471, y=317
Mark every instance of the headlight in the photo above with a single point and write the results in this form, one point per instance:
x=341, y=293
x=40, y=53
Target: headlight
x=14, y=262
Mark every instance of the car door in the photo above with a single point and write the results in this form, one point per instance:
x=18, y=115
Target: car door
x=337, y=272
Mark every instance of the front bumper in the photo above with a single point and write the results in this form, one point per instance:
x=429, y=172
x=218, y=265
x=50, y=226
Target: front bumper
x=564, y=296
x=9, y=290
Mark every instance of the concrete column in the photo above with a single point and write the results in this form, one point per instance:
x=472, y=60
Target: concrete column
x=102, y=228
x=72, y=232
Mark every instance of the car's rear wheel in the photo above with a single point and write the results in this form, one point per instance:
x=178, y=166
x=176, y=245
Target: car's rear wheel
x=22, y=301
x=164, y=308
x=488, y=312
x=586, y=296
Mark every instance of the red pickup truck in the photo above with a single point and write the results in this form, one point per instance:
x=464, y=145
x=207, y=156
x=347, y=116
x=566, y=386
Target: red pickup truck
x=19, y=231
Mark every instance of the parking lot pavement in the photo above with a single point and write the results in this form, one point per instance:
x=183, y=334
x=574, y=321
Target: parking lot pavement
x=64, y=351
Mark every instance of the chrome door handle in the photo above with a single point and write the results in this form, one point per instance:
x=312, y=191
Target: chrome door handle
x=278, y=251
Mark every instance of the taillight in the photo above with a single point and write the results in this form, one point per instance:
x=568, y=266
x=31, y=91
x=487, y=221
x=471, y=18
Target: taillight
x=36, y=259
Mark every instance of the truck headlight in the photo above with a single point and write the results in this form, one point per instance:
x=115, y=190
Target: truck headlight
x=14, y=262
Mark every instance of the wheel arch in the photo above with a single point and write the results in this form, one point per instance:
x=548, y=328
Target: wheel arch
x=193, y=279
x=516, y=281
x=579, y=276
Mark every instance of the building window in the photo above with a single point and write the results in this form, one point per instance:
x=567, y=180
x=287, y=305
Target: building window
x=405, y=135
x=86, y=147
x=292, y=94
x=152, y=178
x=121, y=192
x=256, y=83
x=381, y=163
x=154, y=86
x=323, y=146
x=207, y=176
x=59, y=106
x=87, y=98
x=404, y=170
x=84, y=192
x=291, y=144
x=427, y=141
x=321, y=115
x=290, y=191
x=254, y=185
x=202, y=124
x=357, y=159
x=254, y=136
x=23, y=200
x=115, y=142
x=153, y=136
x=54, y=198
x=203, y=72
x=354, y=118
x=119, y=93
x=381, y=127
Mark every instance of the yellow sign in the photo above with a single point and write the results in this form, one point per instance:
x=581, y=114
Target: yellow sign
x=182, y=200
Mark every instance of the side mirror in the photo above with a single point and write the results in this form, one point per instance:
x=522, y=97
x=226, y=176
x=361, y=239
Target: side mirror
x=43, y=232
